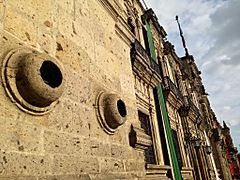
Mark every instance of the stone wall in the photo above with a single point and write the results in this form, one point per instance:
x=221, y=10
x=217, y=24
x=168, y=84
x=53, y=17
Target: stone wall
x=65, y=140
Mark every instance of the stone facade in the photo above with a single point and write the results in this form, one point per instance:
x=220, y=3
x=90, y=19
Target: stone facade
x=80, y=96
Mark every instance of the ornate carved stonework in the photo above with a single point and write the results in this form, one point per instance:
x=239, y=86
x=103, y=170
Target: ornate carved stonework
x=159, y=170
x=139, y=139
x=142, y=67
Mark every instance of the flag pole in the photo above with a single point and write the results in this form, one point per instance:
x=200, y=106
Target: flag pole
x=145, y=4
x=182, y=37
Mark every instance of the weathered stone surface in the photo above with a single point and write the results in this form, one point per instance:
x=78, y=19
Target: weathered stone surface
x=75, y=119
x=47, y=42
x=18, y=164
x=19, y=178
x=133, y=165
x=50, y=177
x=96, y=148
x=8, y=110
x=65, y=177
x=66, y=5
x=20, y=136
x=78, y=87
x=119, y=151
x=121, y=135
x=2, y=11
x=36, y=11
x=110, y=165
x=9, y=42
x=60, y=143
x=69, y=164
x=27, y=33
x=72, y=54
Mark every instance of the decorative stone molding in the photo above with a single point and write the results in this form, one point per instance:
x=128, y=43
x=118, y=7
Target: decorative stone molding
x=184, y=109
x=150, y=15
x=158, y=170
x=112, y=7
x=139, y=139
x=116, y=11
x=111, y=111
x=172, y=93
x=34, y=81
x=187, y=173
x=168, y=48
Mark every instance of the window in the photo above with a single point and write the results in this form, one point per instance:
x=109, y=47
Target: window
x=169, y=68
x=177, y=148
x=145, y=36
x=145, y=125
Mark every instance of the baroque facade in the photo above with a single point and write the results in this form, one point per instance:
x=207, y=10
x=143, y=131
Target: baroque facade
x=93, y=90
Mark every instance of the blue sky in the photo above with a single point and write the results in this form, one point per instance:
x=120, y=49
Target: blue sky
x=212, y=32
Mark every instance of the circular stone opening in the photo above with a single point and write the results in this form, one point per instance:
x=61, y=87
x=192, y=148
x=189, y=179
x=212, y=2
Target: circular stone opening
x=51, y=74
x=121, y=108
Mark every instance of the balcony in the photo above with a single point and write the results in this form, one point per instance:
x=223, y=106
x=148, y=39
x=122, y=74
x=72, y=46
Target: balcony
x=138, y=49
x=216, y=135
x=193, y=107
x=184, y=109
x=155, y=66
x=169, y=86
x=188, y=105
x=233, y=150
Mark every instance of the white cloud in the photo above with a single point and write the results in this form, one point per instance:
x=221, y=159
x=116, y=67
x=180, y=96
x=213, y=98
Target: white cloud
x=227, y=108
x=212, y=32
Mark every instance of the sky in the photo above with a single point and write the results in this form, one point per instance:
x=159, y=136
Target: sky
x=212, y=32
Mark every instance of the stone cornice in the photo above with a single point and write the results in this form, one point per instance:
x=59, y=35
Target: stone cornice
x=158, y=170
x=173, y=100
x=150, y=15
x=112, y=7
x=122, y=30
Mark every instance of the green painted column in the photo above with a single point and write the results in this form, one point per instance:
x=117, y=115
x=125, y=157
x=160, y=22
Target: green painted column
x=150, y=41
x=176, y=169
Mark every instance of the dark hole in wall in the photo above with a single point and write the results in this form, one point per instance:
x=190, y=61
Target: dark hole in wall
x=121, y=108
x=51, y=74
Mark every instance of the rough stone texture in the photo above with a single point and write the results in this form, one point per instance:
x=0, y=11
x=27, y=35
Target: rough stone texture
x=96, y=148
x=110, y=165
x=133, y=165
x=69, y=164
x=56, y=143
x=28, y=33
x=17, y=164
x=21, y=136
x=68, y=142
